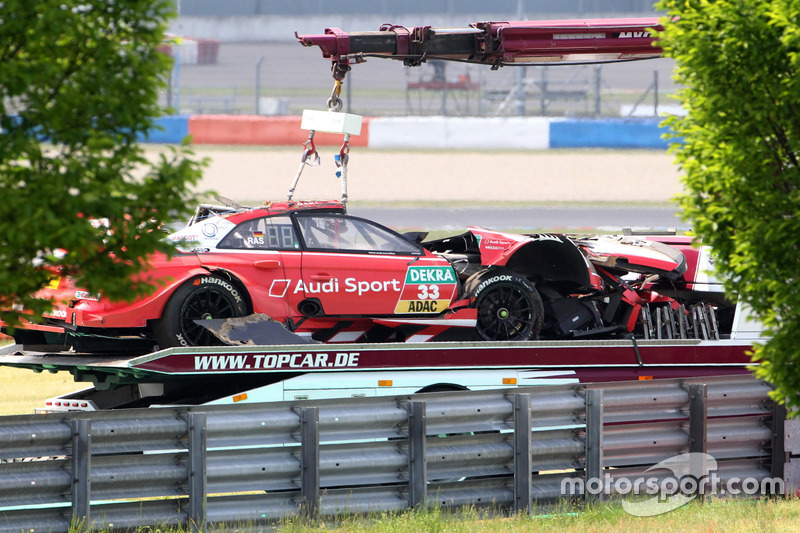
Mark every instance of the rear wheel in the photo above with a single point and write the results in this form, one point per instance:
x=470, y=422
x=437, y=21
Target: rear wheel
x=202, y=298
x=509, y=307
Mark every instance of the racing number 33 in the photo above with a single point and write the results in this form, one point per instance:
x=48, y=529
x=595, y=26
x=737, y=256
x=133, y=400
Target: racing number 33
x=426, y=290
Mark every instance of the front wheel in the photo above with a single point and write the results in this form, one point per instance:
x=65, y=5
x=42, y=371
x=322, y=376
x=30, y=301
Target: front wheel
x=509, y=307
x=202, y=298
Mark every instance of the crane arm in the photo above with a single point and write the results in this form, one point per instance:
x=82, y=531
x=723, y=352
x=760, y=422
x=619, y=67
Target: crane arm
x=494, y=43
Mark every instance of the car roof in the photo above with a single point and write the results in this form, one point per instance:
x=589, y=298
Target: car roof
x=281, y=208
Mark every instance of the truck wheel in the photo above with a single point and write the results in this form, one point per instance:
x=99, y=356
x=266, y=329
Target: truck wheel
x=509, y=306
x=204, y=297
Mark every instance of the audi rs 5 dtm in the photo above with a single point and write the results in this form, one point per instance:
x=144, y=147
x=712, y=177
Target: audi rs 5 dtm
x=310, y=272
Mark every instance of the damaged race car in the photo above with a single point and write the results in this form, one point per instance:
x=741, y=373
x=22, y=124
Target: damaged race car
x=246, y=275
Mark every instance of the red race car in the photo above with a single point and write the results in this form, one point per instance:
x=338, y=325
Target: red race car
x=324, y=274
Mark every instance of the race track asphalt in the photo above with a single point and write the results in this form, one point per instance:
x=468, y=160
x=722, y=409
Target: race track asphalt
x=611, y=219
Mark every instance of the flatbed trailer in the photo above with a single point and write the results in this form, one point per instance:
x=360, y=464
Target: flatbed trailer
x=232, y=374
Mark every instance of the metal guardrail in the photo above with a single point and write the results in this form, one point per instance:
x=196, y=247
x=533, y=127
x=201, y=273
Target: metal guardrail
x=258, y=463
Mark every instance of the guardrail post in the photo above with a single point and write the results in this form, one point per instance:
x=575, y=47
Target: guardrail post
x=309, y=461
x=594, y=447
x=698, y=413
x=698, y=428
x=523, y=459
x=81, y=473
x=417, y=450
x=778, y=454
x=197, y=471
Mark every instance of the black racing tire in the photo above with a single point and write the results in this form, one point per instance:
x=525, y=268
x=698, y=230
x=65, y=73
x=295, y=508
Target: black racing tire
x=442, y=387
x=203, y=297
x=509, y=306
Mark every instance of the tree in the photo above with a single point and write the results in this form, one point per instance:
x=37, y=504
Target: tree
x=79, y=83
x=739, y=62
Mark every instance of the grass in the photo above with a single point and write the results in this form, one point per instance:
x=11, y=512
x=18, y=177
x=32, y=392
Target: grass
x=22, y=390
x=730, y=516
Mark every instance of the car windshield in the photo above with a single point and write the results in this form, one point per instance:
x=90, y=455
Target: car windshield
x=332, y=232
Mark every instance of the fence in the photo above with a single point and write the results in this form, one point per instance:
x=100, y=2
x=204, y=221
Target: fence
x=256, y=463
x=390, y=89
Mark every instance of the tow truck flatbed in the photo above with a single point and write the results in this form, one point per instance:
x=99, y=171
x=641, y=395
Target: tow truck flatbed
x=293, y=359
x=253, y=373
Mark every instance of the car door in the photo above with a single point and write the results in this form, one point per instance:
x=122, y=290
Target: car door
x=355, y=267
x=264, y=253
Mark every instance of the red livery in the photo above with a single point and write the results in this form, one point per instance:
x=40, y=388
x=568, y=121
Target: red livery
x=324, y=274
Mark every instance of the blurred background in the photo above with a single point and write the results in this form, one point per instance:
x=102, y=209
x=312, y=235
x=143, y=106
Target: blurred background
x=242, y=58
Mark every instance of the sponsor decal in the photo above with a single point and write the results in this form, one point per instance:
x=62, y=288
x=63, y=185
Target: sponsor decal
x=210, y=230
x=282, y=361
x=86, y=295
x=204, y=234
x=439, y=274
x=349, y=285
x=279, y=287
x=492, y=244
x=56, y=313
x=362, y=287
x=185, y=237
x=53, y=283
x=427, y=289
x=217, y=281
x=490, y=281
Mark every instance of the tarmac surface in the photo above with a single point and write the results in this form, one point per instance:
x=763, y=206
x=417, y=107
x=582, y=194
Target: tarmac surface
x=534, y=218
x=565, y=190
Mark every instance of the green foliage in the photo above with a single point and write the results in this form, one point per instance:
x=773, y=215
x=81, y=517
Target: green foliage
x=79, y=80
x=739, y=61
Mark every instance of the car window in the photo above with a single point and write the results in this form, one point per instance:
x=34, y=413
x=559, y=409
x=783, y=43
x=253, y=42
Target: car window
x=332, y=232
x=266, y=233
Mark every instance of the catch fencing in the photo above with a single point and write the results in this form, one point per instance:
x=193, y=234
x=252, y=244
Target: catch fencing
x=255, y=464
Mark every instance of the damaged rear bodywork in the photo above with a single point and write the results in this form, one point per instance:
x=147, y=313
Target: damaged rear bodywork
x=599, y=286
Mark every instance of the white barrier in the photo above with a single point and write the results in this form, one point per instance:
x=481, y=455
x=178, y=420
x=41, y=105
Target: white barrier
x=532, y=133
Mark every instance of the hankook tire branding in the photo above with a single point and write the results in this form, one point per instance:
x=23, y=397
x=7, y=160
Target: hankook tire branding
x=493, y=280
x=221, y=282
